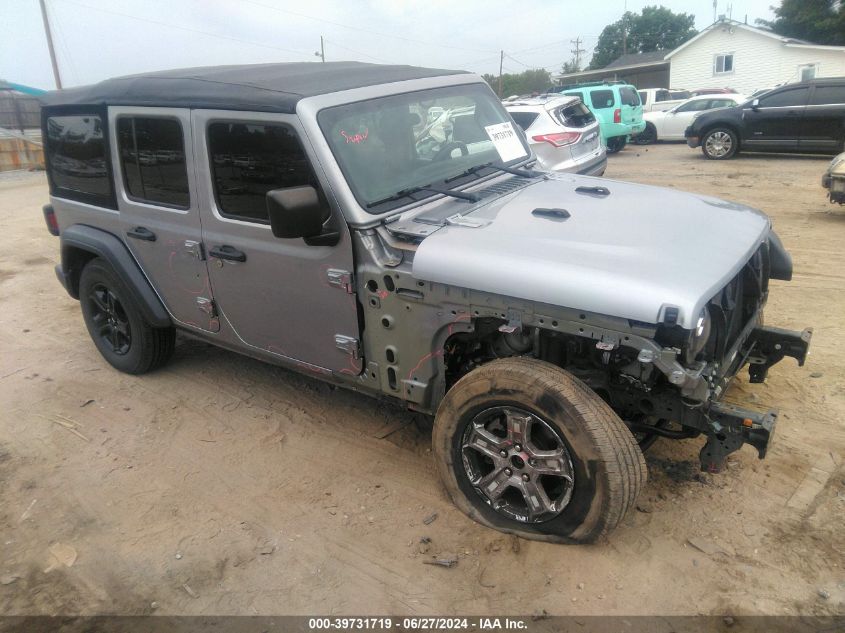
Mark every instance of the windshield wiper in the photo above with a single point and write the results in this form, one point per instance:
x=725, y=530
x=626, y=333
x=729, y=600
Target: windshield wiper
x=402, y=193
x=406, y=193
x=524, y=173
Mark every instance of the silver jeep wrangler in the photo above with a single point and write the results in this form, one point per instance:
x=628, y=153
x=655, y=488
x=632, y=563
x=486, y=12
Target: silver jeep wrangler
x=384, y=228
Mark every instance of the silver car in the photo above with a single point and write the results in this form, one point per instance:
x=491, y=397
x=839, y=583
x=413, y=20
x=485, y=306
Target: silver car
x=834, y=179
x=562, y=132
x=383, y=228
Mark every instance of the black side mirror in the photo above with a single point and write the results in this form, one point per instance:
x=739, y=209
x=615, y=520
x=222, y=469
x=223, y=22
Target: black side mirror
x=296, y=212
x=755, y=105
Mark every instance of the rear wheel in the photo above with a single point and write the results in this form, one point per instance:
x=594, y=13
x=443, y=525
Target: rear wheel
x=720, y=144
x=647, y=136
x=115, y=323
x=524, y=447
x=616, y=144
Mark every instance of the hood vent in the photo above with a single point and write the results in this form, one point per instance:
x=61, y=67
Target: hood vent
x=505, y=186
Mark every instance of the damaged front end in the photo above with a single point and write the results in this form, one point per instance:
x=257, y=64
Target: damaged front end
x=698, y=365
x=735, y=337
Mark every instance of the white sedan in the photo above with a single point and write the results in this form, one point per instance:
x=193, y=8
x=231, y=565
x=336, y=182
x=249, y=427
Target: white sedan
x=670, y=124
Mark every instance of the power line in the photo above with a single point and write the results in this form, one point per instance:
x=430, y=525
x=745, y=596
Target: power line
x=64, y=46
x=188, y=29
x=363, y=30
x=351, y=50
x=513, y=59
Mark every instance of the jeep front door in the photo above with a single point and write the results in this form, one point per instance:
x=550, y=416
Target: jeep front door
x=280, y=297
x=775, y=123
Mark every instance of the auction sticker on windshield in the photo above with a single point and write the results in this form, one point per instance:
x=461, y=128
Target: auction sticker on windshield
x=506, y=141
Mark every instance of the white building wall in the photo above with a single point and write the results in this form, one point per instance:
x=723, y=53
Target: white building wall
x=760, y=61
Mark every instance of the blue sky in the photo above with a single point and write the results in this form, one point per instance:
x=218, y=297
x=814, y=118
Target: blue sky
x=96, y=39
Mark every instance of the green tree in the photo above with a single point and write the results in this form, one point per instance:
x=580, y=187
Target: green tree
x=537, y=80
x=569, y=67
x=654, y=29
x=818, y=21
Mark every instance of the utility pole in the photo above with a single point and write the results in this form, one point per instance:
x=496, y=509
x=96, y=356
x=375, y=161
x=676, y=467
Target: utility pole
x=50, y=45
x=322, y=52
x=625, y=29
x=501, y=64
x=576, y=52
x=625, y=34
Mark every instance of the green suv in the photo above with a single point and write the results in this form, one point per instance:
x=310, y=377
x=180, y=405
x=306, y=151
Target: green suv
x=617, y=107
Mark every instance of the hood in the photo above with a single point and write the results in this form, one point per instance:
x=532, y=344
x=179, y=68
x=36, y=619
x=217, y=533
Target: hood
x=631, y=254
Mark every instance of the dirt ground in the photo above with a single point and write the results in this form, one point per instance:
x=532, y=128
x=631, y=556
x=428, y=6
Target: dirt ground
x=221, y=485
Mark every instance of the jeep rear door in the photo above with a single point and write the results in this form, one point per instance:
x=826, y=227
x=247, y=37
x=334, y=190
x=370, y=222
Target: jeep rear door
x=278, y=297
x=156, y=193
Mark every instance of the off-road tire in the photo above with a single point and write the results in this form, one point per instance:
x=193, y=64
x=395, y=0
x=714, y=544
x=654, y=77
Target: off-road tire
x=725, y=132
x=608, y=467
x=616, y=144
x=147, y=348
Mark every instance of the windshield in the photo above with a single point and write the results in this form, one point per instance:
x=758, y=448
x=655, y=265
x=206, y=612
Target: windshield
x=393, y=145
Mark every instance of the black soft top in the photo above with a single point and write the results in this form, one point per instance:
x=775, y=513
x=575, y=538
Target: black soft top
x=259, y=87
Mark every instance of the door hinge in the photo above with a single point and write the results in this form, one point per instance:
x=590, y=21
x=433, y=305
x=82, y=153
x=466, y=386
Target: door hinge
x=209, y=308
x=195, y=248
x=348, y=344
x=341, y=279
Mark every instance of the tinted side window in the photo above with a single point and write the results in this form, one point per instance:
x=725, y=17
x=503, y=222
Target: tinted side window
x=152, y=158
x=629, y=96
x=602, y=98
x=663, y=95
x=643, y=96
x=828, y=95
x=76, y=155
x=793, y=97
x=248, y=160
x=524, y=119
x=721, y=103
x=694, y=106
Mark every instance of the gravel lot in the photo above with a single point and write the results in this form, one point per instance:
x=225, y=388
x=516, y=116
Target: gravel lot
x=221, y=485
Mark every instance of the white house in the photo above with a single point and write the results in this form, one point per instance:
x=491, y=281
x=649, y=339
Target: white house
x=735, y=55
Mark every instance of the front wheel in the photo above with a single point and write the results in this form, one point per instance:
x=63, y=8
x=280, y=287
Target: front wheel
x=524, y=447
x=720, y=144
x=616, y=144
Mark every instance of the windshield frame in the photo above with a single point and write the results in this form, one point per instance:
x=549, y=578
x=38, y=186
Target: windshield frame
x=453, y=181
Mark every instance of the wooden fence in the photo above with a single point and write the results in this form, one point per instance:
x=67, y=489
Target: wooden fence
x=20, y=132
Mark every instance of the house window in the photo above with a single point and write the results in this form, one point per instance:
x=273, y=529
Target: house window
x=806, y=72
x=723, y=64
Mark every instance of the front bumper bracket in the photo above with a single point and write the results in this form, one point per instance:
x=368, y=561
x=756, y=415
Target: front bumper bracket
x=769, y=345
x=733, y=426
